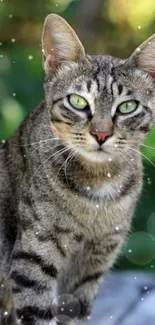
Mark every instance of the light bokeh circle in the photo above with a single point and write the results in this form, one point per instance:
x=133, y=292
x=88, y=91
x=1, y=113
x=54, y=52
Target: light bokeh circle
x=140, y=248
x=151, y=225
x=66, y=308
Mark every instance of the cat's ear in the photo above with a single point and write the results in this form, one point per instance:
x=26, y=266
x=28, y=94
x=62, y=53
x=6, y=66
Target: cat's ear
x=144, y=56
x=59, y=44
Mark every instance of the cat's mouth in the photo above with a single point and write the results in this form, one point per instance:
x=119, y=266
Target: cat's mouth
x=100, y=155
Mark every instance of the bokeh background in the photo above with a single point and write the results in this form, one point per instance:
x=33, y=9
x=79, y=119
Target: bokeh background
x=104, y=26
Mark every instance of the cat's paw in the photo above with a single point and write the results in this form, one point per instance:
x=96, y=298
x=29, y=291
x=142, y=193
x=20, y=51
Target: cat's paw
x=53, y=322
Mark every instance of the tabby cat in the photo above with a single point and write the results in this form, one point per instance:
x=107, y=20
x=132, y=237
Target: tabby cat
x=70, y=179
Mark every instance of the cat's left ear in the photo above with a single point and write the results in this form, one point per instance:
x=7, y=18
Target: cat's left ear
x=144, y=56
x=59, y=44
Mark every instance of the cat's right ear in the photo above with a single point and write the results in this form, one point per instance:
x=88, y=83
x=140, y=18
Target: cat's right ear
x=144, y=56
x=59, y=44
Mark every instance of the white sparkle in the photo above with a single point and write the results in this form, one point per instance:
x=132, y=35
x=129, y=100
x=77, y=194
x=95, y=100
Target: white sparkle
x=1, y=43
x=145, y=288
x=138, y=49
x=109, y=175
x=142, y=299
x=2, y=285
x=13, y=61
x=132, y=159
x=1, y=55
x=56, y=5
x=97, y=206
x=152, y=266
x=149, y=43
x=10, y=16
x=135, y=278
x=5, y=313
x=37, y=233
x=62, y=309
x=30, y=57
x=110, y=159
x=115, y=145
x=89, y=317
x=63, y=303
x=111, y=317
x=129, y=251
x=13, y=40
x=3, y=141
x=14, y=94
x=139, y=27
x=117, y=228
x=71, y=310
x=65, y=245
x=88, y=188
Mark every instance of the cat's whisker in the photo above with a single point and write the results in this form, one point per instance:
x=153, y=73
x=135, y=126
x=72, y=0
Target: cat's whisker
x=128, y=162
x=68, y=160
x=56, y=155
x=142, y=155
x=41, y=142
x=135, y=143
x=35, y=143
x=65, y=164
x=59, y=153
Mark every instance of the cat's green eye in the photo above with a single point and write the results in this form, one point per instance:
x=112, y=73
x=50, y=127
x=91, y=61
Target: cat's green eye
x=77, y=101
x=128, y=107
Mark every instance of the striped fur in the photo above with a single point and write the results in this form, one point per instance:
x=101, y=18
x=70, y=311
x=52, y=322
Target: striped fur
x=66, y=201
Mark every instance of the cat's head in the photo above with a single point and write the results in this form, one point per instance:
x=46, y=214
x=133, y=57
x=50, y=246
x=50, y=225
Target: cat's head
x=100, y=106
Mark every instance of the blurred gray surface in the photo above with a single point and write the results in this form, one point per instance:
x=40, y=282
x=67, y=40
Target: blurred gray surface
x=125, y=298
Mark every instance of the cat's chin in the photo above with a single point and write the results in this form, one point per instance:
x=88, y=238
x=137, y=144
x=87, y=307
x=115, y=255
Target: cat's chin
x=97, y=156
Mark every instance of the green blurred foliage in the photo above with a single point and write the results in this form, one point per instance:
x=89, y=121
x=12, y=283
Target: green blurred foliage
x=104, y=26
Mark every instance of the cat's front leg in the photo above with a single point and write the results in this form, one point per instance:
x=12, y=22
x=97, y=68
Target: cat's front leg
x=75, y=307
x=34, y=283
x=79, y=283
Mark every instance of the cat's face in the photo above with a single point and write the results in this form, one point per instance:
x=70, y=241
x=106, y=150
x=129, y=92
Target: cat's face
x=100, y=107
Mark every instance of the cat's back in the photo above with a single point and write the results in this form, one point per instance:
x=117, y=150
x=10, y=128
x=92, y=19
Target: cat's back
x=7, y=214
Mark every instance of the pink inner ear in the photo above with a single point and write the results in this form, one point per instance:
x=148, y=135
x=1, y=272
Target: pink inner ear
x=52, y=63
x=152, y=74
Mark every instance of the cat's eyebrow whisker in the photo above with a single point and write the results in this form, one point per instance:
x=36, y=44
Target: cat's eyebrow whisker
x=142, y=155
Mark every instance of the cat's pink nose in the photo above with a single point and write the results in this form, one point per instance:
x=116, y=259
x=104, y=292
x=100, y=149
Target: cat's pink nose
x=100, y=136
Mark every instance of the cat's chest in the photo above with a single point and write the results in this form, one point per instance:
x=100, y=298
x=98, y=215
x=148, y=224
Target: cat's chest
x=104, y=192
